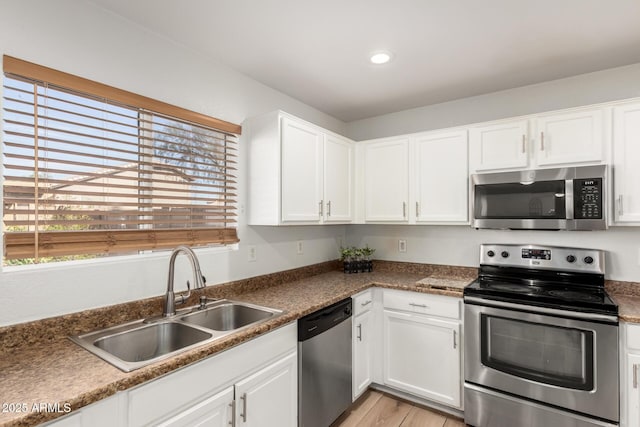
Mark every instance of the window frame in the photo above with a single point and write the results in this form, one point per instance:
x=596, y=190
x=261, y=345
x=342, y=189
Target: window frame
x=227, y=235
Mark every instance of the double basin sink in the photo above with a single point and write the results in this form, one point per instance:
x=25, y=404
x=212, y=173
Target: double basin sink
x=136, y=344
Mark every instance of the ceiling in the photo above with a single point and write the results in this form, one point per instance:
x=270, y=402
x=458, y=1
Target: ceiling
x=317, y=51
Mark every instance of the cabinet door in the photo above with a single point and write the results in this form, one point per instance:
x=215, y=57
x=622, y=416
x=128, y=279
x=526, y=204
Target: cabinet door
x=626, y=159
x=442, y=178
x=269, y=397
x=569, y=138
x=631, y=390
x=422, y=356
x=387, y=180
x=362, y=347
x=499, y=146
x=338, y=179
x=301, y=172
x=216, y=411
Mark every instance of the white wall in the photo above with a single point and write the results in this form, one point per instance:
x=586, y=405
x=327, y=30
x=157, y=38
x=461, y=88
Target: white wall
x=592, y=88
x=78, y=37
x=459, y=245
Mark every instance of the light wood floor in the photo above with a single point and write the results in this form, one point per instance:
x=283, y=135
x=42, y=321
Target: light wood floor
x=381, y=410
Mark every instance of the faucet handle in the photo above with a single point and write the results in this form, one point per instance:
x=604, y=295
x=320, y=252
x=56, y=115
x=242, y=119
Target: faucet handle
x=203, y=302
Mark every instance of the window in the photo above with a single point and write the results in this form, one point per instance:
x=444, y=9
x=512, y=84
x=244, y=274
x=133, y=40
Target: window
x=91, y=170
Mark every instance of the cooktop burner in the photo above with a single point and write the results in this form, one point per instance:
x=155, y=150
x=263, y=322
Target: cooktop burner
x=551, y=277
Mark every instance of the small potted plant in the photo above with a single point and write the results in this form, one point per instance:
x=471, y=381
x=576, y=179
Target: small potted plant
x=367, y=262
x=347, y=256
x=355, y=260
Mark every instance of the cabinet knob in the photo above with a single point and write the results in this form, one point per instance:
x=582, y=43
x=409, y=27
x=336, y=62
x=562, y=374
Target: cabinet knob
x=524, y=143
x=404, y=209
x=320, y=208
x=541, y=141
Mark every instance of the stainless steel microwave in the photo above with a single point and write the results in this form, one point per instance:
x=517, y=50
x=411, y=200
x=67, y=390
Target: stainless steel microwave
x=544, y=199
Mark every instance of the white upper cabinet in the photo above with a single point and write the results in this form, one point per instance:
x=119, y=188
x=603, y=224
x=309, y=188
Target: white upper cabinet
x=499, y=146
x=441, y=177
x=419, y=178
x=386, y=180
x=338, y=179
x=626, y=164
x=299, y=173
x=556, y=139
x=567, y=138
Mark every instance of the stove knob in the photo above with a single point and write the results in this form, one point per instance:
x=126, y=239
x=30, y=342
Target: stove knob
x=588, y=260
x=505, y=254
x=491, y=254
x=571, y=258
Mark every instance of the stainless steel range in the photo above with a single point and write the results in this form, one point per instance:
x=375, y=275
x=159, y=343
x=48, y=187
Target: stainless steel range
x=541, y=339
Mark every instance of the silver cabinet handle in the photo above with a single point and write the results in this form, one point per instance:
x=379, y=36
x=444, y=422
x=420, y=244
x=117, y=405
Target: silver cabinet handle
x=455, y=344
x=620, y=208
x=320, y=210
x=404, y=209
x=635, y=375
x=329, y=208
x=232, y=423
x=524, y=142
x=359, y=332
x=244, y=407
x=417, y=209
x=364, y=304
x=418, y=305
x=541, y=141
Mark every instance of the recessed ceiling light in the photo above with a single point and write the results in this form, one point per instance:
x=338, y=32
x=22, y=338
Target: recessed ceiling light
x=380, y=57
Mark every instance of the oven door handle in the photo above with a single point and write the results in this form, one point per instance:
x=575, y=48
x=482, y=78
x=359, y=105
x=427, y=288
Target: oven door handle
x=541, y=310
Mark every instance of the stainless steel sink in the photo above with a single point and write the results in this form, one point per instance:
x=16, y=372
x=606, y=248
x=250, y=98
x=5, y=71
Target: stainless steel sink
x=151, y=341
x=140, y=343
x=228, y=315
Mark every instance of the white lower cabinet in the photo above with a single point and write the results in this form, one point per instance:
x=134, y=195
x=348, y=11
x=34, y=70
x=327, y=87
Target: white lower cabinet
x=269, y=398
x=630, y=375
x=363, y=334
x=422, y=351
x=215, y=411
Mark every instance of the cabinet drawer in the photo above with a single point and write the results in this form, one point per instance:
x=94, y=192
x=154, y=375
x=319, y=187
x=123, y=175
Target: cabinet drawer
x=633, y=335
x=415, y=302
x=362, y=302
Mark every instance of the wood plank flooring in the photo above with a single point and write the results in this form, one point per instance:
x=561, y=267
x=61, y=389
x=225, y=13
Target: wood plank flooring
x=375, y=409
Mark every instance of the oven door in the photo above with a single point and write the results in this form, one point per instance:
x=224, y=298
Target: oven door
x=564, y=362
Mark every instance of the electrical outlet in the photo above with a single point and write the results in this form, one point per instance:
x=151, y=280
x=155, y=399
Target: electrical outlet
x=252, y=253
x=402, y=245
x=299, y=247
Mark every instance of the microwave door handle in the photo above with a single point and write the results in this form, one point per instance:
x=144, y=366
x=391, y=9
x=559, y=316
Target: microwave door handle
x=568, y=198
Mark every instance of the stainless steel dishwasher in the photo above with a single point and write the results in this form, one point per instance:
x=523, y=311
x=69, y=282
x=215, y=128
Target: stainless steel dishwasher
x=324, y=365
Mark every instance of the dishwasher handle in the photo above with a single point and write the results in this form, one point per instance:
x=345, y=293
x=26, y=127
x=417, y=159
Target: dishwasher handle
x=324, y=319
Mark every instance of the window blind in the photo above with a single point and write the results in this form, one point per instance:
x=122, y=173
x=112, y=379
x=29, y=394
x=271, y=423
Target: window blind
x=88, y=175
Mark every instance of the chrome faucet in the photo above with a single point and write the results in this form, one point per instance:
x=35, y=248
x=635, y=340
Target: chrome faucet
x=170, y=300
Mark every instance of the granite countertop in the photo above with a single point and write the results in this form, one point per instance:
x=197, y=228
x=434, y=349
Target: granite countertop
x=46, y=367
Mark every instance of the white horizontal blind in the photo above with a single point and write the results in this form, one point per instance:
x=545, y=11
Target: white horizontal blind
x=87, y=175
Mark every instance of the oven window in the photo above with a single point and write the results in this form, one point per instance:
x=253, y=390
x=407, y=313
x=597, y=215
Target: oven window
x=539, y=352
x=538, y=200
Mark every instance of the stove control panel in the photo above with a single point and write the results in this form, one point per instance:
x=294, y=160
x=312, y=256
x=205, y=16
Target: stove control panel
x=543, y=257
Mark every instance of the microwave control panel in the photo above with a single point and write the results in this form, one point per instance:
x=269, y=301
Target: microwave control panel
x=588, y=198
